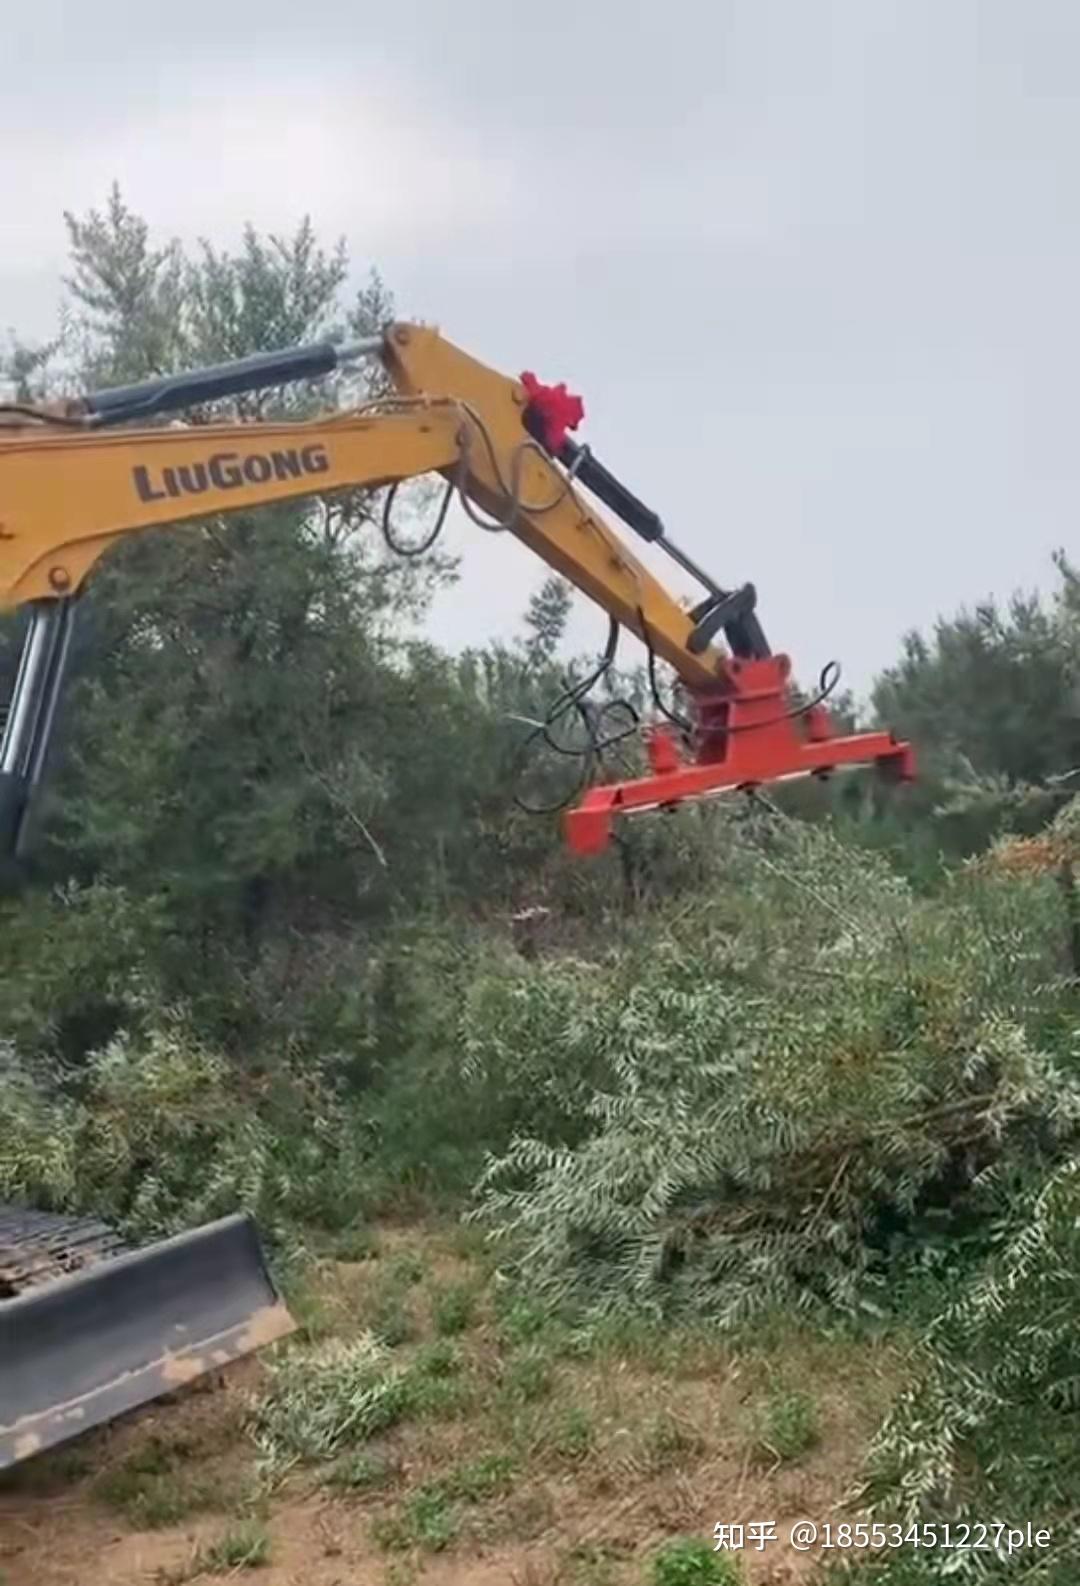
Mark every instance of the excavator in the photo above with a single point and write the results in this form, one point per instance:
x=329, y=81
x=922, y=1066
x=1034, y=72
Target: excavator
x=90, y=1329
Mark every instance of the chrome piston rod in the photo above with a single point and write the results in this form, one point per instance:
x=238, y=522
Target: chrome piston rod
x=31, y=713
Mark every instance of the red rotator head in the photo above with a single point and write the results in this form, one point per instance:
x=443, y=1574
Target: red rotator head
x=552, y=411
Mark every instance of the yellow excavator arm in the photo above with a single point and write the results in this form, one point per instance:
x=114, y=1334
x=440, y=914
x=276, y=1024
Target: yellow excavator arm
x=77, y=477
x=67, y=494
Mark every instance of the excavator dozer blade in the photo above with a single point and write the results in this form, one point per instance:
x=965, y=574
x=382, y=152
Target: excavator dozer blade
x=80, y=1349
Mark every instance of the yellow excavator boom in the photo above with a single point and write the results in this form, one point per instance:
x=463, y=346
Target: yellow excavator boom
x=77, y=477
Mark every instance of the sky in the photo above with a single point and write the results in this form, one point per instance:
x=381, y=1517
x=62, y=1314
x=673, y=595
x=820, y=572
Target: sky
x=812, y=266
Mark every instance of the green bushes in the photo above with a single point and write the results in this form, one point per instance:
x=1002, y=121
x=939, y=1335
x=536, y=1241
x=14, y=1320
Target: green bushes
x=998, y=1370
x=460, y=1027
x=789, y=1425
x=791, y=1090
x=760, y=1096
x=691, y=1561
x=79, y=962
x=154, y=1132
x=332, y=1397
x=38, y=1145
x=165, y=1137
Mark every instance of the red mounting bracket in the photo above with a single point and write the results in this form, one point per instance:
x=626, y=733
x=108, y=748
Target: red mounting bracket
x=748, y=735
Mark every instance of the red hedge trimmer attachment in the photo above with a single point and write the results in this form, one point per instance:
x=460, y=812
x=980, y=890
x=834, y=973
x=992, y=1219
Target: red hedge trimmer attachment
x=748, y=729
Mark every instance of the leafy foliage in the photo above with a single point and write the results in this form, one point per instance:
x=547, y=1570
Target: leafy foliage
x=157, y=1132
x=998, y=1370
x=790, y=1425
x=691, y=1561
x=325, y=1399
x=754, y=1148
x=329, y=1398
x=993, y=702
x=246, y=1547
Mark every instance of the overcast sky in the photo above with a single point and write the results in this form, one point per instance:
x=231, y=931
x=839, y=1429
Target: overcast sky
x=813, y=264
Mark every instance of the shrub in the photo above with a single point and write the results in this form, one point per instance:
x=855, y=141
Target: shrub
x=789, y=1425
x=427, y=1520
x=328, y=1398
x=997, y=1374
x=167, y=1139
x=248, y=1547
x=80, y=962
x=39, y=1158
x=155, y=1132
x=691, y=1561
x=464, y=1060
x=333, y=1396
x=453, y=1309
x=792, y=1086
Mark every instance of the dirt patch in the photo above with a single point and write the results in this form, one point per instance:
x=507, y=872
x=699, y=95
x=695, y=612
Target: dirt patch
x=606, y=1458
x=320, y=1543
x=595, y=1522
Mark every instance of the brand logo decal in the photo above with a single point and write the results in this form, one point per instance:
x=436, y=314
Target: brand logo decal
x=229, y=471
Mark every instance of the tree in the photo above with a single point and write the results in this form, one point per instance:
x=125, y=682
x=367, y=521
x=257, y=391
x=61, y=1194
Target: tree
x=995, y=689
x=991, y=703
x=252, y=743
x=237, y=705
x=546, y=618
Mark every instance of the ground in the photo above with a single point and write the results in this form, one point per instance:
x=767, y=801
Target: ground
x=538, y=1462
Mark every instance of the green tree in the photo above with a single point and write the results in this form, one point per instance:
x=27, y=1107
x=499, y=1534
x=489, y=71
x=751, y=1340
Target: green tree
x=251, y=742
x=991, y=703
x=546, y=618
x=997, y=690
x=233, y=734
